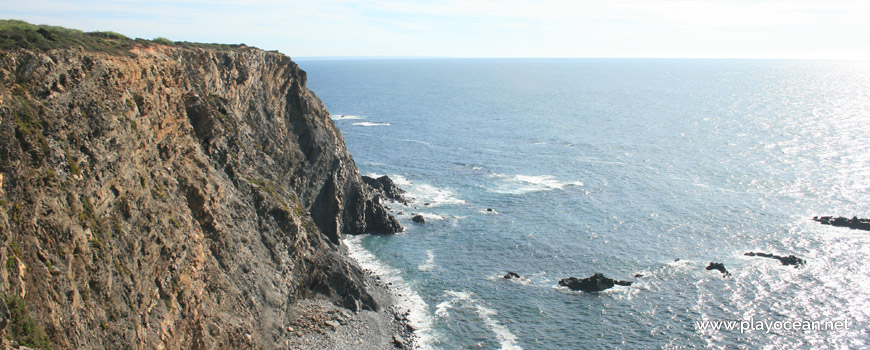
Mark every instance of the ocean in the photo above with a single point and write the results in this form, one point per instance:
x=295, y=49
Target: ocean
x=628, y=167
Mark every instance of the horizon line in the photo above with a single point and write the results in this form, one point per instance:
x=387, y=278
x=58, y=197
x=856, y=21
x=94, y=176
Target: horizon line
x=340, y=58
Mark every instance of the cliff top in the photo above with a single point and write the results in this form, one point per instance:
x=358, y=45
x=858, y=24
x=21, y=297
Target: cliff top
x=17, y=34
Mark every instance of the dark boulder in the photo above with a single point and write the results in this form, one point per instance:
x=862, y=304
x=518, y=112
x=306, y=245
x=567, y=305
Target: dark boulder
x=387, y=187
x=720, y=267
x=785, y=260
x=595, y=283
x=853, y=223
x=418, y=219
x=510, y=275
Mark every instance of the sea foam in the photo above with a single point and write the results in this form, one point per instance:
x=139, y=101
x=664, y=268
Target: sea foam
x=370, y=124
x=407, y=299
x=521, y=184
x=346, y=117
x=423, y=193
x=465, y=300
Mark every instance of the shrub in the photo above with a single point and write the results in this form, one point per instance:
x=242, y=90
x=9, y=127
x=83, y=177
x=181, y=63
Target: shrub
x=22, y=328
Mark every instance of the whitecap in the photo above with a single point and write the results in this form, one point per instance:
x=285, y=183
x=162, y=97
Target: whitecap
x=521, y=184
x=423, y=193
x=407, y=299
x=370, y=124
x=430, y=262
x=506, y=338
x=346, y=117
x=430, y=216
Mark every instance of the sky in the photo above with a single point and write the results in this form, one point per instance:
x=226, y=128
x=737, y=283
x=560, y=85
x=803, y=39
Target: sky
x=799, y=29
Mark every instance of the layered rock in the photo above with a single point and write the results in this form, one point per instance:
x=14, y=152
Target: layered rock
x=175, y=197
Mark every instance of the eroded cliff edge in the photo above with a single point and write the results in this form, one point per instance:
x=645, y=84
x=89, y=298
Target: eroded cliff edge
x=178, y=197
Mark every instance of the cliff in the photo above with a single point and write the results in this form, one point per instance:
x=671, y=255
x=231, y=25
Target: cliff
x=169, y=196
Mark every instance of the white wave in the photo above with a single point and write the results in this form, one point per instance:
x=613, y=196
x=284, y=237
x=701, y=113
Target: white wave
x=346, y=117
x=521, y=184
x=370, y=124
x=506, y=339
x=430, y=262
x=407, y=299
x=424, y=193
x=539, y=279
x=430, y=216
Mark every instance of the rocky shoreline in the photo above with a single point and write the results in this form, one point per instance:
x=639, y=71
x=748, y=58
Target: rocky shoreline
x=320, y=324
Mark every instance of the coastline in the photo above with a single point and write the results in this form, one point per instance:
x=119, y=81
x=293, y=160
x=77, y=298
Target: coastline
x=320, y=324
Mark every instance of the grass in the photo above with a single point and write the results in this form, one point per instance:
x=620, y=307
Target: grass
x=26, y=118
x=22, y=328
x=17, y=34
x=12, y=265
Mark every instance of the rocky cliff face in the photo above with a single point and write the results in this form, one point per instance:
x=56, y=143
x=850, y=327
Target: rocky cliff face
x=170, y=197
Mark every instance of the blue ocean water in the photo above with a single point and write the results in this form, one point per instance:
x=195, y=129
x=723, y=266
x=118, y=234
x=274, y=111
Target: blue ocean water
x=618, y=166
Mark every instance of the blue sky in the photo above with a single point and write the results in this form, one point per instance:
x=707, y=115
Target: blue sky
x=826, y=29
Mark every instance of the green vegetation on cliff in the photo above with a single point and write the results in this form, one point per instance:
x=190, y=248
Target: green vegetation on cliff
x=22, y=328
x=17, y=34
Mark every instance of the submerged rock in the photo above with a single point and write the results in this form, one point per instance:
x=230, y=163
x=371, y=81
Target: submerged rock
x=785, y=260
x=418, y=219
x=510, y=275
x=720, y=267
x=853, y=223
x=595, y=283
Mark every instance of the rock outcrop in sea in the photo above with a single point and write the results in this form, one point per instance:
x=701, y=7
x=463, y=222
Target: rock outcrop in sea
x=387, y=188
x=718, y=267
x=594, y=283
x=170, y=195
x=785, y=260
x=853, y=223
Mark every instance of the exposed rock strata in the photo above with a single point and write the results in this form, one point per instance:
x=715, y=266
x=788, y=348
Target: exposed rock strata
x=173, y=197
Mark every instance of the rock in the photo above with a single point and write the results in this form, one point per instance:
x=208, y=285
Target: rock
x=854, y=223
x=489, y=209
x=332, y=324
x=785, y=260
x=595, y=283
x=398, y=341
x=720, y=267
x=153, y=163
x=638, y=275
x=4, y=315
x=510, y=275
x=387, y=187
x=418, y=219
